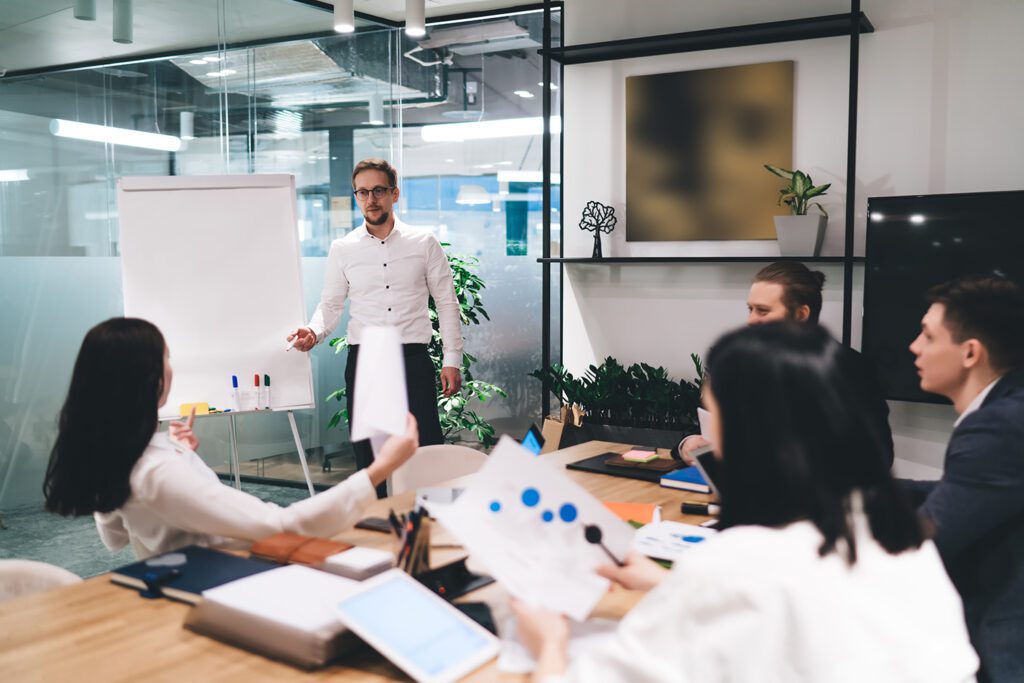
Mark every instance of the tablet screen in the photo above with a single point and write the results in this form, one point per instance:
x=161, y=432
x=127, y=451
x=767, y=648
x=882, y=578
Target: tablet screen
x=401, y=619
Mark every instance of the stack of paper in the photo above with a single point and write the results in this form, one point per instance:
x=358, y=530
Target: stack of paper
x=287, y=613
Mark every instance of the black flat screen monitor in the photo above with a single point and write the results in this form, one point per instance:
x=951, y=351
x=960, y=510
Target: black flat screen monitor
x=919, y=241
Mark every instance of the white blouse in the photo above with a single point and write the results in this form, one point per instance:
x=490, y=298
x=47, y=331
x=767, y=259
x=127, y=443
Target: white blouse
x=760, y=604
x=178, y=500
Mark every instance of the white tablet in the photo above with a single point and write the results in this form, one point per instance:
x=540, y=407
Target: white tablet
x=418, y=631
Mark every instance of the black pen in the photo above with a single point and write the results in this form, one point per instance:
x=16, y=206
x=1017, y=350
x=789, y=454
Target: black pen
x=395, y=524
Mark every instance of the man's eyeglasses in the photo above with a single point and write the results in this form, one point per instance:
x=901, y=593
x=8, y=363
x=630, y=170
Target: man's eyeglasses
x=378, y=193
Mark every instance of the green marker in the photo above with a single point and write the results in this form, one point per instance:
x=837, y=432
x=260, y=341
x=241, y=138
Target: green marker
x=266, y=383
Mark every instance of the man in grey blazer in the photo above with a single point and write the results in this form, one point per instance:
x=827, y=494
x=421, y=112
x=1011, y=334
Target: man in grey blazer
x=971, y=350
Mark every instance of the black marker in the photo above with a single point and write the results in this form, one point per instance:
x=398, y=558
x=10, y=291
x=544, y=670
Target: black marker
x=700, y=509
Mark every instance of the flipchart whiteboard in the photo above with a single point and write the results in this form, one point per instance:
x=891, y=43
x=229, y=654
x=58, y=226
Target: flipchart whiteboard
x=214, y=262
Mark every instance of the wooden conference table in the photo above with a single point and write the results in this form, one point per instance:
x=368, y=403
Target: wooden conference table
x=97, y=631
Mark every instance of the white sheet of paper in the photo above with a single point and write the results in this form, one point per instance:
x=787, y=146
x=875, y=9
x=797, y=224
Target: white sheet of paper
x=668, y=540
x=381, y=403
x=704, y=420
x=523, y=519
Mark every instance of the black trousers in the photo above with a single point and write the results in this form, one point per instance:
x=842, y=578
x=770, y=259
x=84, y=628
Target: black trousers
x=421, y=390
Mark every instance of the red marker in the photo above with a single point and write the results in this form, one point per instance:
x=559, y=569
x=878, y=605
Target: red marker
x=256, y=383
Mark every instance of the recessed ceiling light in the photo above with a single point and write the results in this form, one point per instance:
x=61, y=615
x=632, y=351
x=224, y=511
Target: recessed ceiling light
x=553, y=86
x=213, y=74
x=199, y=62
x=228, y=72
x=212, y=58
x=525, y=94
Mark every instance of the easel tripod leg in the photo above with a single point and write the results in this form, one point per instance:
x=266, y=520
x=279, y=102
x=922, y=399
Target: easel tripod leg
x=302, y=453
x=234, y=452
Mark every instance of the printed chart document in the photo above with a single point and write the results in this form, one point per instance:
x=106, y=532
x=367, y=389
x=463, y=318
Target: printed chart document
x=524, y=519
x=381, y=404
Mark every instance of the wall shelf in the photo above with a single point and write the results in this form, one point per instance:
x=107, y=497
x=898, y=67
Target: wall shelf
x=828, y=26
x=619, y=260
x=851, y=25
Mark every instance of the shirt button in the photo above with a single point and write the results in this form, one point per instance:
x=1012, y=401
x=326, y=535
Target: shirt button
x=385, y=265
x=387, y=286
x=389, y=309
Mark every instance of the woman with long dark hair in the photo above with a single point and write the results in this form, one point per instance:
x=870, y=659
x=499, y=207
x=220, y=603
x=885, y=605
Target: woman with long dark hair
x=150, y=488
x=823, y=571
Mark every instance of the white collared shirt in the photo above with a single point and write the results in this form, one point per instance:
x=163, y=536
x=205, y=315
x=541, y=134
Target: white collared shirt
x=976, y=403
x=388, y=282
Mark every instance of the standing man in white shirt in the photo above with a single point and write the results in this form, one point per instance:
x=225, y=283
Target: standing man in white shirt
x=387, y=270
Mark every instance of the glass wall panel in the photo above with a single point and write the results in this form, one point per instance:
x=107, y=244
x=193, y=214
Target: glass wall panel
x=310, y=107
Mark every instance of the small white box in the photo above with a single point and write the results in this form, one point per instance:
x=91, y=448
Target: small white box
x=359, y=563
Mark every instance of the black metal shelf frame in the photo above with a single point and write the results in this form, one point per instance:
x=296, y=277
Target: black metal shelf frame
x=853, y=25
x=640, y=260
x=829, y=26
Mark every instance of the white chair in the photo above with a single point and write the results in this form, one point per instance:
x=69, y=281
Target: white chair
x=24, y=577
x=433, y=464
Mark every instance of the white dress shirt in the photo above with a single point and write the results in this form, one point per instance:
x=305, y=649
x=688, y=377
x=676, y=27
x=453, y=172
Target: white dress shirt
x=388, y=282
x=760, y=604
x=976, y=402
x=177, y=500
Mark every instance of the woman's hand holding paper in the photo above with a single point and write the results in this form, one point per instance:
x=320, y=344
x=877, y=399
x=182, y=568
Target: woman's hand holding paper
x=395, y=452
x=639, y=573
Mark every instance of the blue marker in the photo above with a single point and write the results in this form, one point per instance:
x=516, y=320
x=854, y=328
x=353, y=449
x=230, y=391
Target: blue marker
x=234, y=390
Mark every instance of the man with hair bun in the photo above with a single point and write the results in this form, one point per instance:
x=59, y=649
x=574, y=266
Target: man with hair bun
x=789, y=290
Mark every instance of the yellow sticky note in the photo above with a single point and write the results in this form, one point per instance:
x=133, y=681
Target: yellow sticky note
x=201, y=409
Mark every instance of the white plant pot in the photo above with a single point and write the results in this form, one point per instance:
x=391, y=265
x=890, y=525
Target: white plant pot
x=800, y=235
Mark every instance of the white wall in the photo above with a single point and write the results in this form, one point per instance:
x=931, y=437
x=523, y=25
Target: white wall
x=941, y=108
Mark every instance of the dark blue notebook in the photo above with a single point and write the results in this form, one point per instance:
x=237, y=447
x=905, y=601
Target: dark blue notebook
x=687, y=479
x=168, y=576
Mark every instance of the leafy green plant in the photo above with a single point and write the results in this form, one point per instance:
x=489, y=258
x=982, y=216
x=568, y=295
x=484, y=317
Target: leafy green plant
x=800, y=189
x=638, y=396
x=456, y=411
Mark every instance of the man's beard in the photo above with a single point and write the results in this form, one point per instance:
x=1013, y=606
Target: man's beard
x=384, y=216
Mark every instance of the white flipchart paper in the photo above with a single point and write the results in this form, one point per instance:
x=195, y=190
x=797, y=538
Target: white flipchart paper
x=523, y=519
x=381, y=404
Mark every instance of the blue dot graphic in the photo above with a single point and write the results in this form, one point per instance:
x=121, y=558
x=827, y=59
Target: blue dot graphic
x=547, y=515
x=567, y=512
x=693, y=539
x=531, y=497
x=495, y=506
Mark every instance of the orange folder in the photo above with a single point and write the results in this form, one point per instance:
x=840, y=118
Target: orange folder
x=633, y=512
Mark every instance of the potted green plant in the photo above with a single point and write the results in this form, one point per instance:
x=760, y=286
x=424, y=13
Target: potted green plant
x=637, y=404
x=798, y=233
